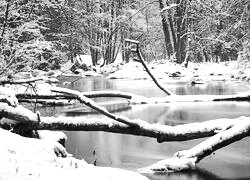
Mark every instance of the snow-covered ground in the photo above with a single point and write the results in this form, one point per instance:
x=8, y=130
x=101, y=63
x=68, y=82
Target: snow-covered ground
x=198, y=71
x=28, y=158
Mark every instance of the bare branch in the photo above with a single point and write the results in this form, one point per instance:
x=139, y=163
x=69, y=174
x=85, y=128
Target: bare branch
x=30, y=121
x=146, y=67
x=187, y=159
x=94, y=106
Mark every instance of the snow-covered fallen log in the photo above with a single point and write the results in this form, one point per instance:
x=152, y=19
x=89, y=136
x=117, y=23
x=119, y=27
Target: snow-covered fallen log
x=48, y=102
x=135, y=99
x=161, y=132
x=33, y=121
x=78, y=95
x=91, y=94
x=187, y=159
x=29, y=81
x=19, y=113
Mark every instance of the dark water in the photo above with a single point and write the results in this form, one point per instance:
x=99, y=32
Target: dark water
x=131, y=152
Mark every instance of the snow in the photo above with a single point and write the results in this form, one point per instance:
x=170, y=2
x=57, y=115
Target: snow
x=84, y=59
x=91, y=73
x=40, y=87
x=26, y=158
x=204, y=71
x=170, y=165
x=186, y=159
x=10, y=93
x=131, y=70
x=118, y=59
x=52, y=135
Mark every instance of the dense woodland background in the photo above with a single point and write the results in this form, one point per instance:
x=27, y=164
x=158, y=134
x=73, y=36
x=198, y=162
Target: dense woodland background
x=42, y=34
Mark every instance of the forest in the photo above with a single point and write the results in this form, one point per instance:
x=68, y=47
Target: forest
x=91, y=65
x=44, y=33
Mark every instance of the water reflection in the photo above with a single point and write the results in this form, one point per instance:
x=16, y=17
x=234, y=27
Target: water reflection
x=132, y=152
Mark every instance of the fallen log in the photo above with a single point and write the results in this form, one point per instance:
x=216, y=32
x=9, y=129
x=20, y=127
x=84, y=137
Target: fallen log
x=32, y=121
x=19, y=113
x=186, y=159
x=28, y=81
x=78, y=95
x=137, y=99
x=91, y=94
x=48, y=102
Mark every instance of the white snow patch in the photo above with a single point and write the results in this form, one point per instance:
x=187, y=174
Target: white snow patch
x=84, y=59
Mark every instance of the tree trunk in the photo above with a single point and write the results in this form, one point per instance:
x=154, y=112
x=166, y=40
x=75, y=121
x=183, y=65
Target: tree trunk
x=188, y=41
x=6, y=14
x=180, y=28
x=173, y=33
x=166, y=30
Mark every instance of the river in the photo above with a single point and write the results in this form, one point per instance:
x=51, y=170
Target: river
x=132, y=152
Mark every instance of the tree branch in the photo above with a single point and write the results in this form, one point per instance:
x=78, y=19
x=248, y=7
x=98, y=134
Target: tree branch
x=30, y=121
x=146, y=68
x=26, y=81
x=94, y=106
x=133, y=98
x=91, y=94
x=187, y=159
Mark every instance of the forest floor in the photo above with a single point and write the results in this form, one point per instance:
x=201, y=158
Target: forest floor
x=194, y=73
